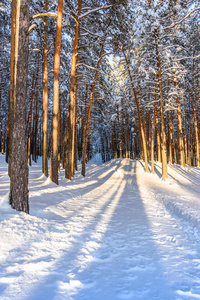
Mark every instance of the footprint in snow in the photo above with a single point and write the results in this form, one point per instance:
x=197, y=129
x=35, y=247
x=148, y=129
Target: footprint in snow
x=102, y=257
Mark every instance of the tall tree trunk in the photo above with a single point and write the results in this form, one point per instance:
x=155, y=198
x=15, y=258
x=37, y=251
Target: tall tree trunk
x=35, y=133
x=119, y=133
x=19, y=166
x=181, y=153
x=196, y=129
x=135, y=146
x=185, y=137
x=84, y=132
x=114, y=146
x=66, y=150
x=128, y=146
x=163, y=133
x=56, y=100
x=1, y=125
x=13, y=57
x=45, y=100
x=12, y=64
x=76, y=134
x=191, y=144
x=30, y=114
x=158, y=144
x=153, y=137
x=190, y=139
x=172, y=151
x=59, y=137
x=141, y=125
x=73, y=90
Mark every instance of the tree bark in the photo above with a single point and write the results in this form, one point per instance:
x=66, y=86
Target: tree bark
x=196, y=129
x=30, y=118
x=119, y=133
x=1, y=126
x=163, y=134
x=152, y=138
x=56, y=100
x=84, y=131
x=73, y=90
x=185, y=137
x=19, y=166
x=181, y=153
x=45, y=101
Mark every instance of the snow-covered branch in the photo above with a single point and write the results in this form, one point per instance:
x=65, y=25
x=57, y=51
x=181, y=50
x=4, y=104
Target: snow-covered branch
x=183, y=19
x=47, y=14
x=94, y=10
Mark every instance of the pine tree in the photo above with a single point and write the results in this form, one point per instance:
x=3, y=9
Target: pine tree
x=18, y=146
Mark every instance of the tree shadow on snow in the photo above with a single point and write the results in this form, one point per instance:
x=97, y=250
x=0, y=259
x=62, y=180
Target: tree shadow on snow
x=115, y=256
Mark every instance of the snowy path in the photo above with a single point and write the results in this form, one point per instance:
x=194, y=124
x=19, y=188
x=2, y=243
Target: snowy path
x=117, y=234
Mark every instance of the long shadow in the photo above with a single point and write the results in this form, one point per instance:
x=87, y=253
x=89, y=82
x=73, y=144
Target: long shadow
x=64, y=203
x=180, y=171
x=77, y=243
x=71, y=260
x=60, y=196
x=184, y=186
x=119, y=260
x=143, y=165
x=114, y=255
x=185, y=174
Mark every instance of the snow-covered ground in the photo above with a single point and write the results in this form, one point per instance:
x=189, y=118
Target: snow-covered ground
x=117, y=234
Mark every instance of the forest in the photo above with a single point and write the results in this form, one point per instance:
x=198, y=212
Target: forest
x=114, y=77
x=101, y=94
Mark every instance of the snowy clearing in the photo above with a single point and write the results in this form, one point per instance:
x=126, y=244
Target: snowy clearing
x=117, y=234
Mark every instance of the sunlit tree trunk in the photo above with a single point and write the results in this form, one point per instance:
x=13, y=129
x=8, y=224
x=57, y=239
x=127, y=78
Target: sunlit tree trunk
x=172, y=152
x=56, y=99
x=149, y=134
x=72, y=104
x=181, y=153
x=185, y=137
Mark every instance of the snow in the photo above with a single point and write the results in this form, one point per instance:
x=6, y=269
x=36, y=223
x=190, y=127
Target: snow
x=118, y=233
